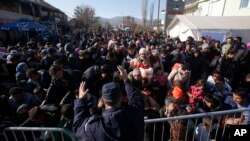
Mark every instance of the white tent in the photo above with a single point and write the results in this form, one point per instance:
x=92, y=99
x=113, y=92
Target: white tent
x=217, y=27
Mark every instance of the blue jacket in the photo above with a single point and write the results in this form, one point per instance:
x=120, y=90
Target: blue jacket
x=117, y=124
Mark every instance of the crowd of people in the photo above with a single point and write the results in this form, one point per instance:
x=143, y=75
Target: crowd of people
x=79, y=84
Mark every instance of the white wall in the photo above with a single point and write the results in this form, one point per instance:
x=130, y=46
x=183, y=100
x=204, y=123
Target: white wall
x=216, y=7
x=219, y=8
x=203, y=9
x=210, y=8
x=232, y=8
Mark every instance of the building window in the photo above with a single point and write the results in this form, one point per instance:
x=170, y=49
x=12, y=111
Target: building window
x=176, y=7
x=245, y=4
x=199, y=10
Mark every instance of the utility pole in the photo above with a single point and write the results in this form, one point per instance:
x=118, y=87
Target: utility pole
x=33, y=11
x=122, y=21
x=165, y=20
x=158, y=18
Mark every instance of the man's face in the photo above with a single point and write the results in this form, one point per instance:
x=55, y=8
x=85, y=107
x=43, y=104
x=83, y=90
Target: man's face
x=137, y=77
x=34, y=77
x=238, y=100
x=196, y=54
x=117, y=48
x=172, y=107
x=231, y=55
x=188, y=47
x=219, y=84
x=38, y=120
x=18, y=98
x=104, y=75
x=131, y=51
x=229, y=41
x=41, y=96
x=236, y=40
x=248, y=79
x=143, y=55
x=58, y=75
x=164, y=55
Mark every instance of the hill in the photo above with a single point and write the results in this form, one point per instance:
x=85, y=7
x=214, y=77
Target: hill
x=116, y=20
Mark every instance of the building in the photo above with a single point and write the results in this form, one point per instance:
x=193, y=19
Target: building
x=37, y=10
x=217, y=7
x=173, y=7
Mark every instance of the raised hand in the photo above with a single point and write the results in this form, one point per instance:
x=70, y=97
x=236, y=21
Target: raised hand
x=123, y=73
x=83, y=91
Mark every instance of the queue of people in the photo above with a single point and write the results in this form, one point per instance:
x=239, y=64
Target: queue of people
x=103, y=86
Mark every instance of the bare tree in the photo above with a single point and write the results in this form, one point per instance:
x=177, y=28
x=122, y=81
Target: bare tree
x=144, y=6
x=130, y=22
x=151, y=14
x=85, y=17
x=107, y=26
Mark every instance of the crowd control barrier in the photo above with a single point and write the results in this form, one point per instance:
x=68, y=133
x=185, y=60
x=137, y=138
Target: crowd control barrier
x=155, y=129
x=37, y=134
x=191, y=127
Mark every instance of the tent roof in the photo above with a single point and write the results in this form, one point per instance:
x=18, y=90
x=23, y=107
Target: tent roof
x=23, y=24
x=212, y=22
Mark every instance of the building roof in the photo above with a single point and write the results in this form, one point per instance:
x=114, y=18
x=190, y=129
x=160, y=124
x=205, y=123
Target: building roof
x=46, y=5
x=212, y=22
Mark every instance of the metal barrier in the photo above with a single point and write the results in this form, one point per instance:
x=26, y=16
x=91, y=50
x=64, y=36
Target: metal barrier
x=37, y=134
x=192, y=127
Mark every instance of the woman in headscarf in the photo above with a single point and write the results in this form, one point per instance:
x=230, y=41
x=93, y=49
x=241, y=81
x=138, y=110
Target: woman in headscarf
x=21, y=71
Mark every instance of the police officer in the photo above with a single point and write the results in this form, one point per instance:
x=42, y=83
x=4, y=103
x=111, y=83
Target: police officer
x=116, y=123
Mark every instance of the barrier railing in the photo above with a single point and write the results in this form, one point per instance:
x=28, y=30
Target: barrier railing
x=193, y=127
x=186, y=127
x=37, y=134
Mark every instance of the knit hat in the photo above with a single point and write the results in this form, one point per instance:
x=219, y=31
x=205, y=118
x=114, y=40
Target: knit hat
x=22, y=109
x=51, y=51
x=44, y=52
x=68, y=48
x=142, y=50
x=13, y=52
x=21, y=67
x=111, y=92
x=177, y=92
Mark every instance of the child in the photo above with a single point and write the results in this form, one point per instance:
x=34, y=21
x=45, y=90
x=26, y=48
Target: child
x=178, y=94
x=159, y=75
x=206, y=130
x=196, y=93
x=145, y=69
